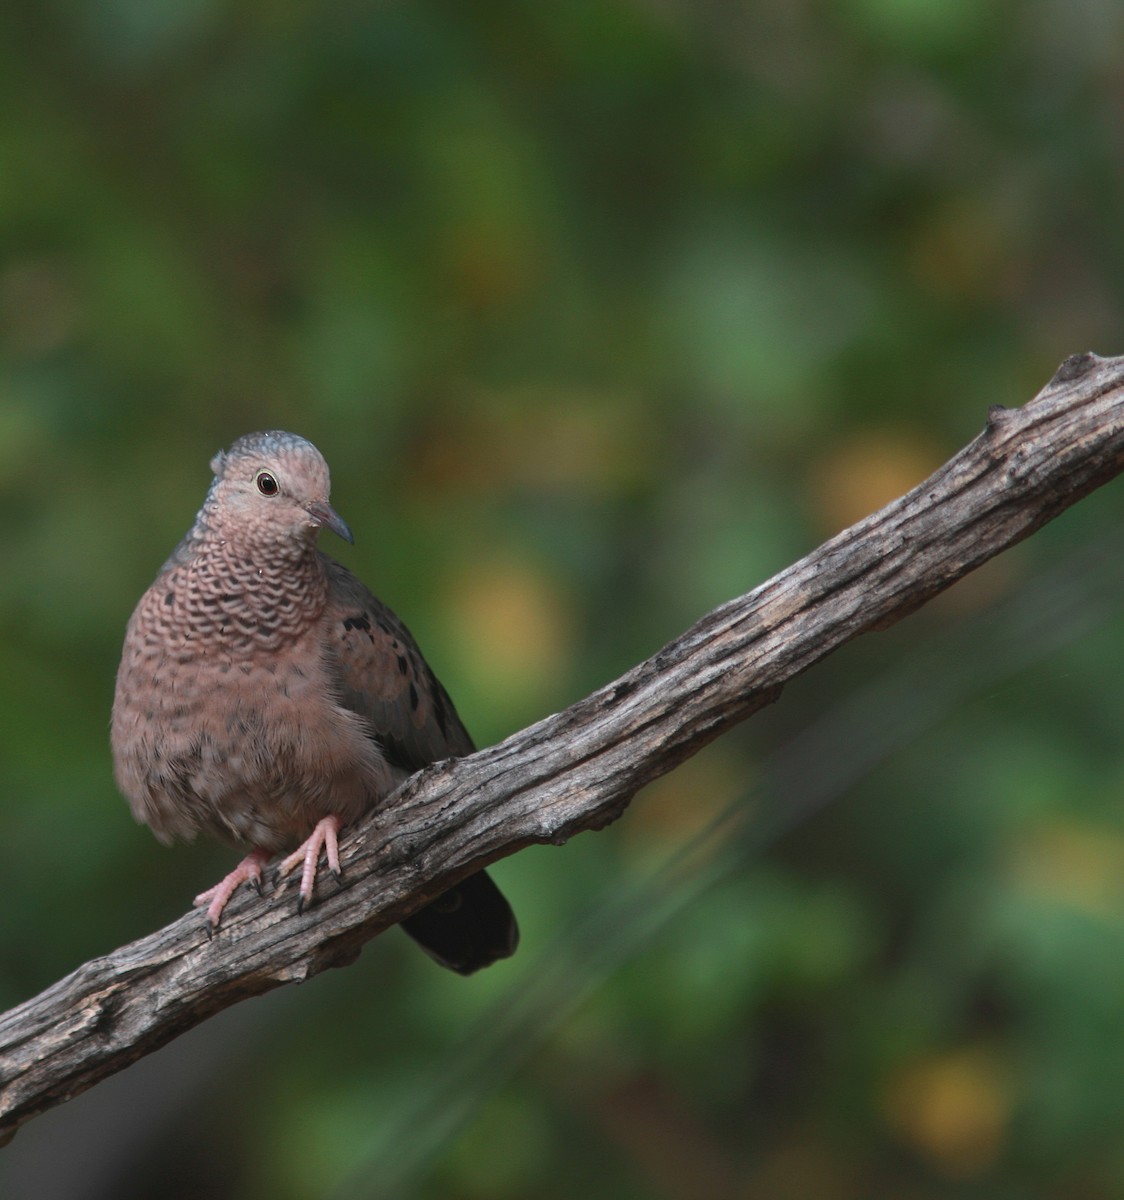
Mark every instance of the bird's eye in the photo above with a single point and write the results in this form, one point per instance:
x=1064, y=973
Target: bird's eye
x=267, y=485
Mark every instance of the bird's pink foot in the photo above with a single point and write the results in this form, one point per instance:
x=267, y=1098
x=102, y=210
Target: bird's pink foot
x=247, y=871
x=307, y=855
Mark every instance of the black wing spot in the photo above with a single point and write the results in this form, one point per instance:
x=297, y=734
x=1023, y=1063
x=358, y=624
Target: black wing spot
x=414, y=698
x=442, y=716
x=362, y=621
x=403, y=665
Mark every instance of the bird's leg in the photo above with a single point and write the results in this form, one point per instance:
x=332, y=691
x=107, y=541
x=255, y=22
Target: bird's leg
x=247, y=871
x=308, y=855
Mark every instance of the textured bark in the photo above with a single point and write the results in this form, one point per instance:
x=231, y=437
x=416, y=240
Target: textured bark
x=578, y=769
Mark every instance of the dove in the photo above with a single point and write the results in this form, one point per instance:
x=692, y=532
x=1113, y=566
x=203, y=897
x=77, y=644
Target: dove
x=266, y=698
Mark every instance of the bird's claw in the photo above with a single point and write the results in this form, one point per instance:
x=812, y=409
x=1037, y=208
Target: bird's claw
x=216, y=898
x=307, y=857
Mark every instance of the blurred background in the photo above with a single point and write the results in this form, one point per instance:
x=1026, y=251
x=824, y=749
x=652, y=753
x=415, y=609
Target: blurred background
x=602, y=313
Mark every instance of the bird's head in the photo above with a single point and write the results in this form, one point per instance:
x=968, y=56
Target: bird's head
x=272, y=486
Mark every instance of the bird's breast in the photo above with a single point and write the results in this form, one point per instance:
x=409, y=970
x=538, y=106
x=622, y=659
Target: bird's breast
x=227, y=720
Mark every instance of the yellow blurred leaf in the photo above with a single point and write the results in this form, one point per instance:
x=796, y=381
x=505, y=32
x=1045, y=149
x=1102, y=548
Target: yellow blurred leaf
x=673, y=809
x=964, y=250
x=491, y=265
x=861, y=473
x=1073, y=864
x=537, y=438
x=954, y=1109
x=515, y=627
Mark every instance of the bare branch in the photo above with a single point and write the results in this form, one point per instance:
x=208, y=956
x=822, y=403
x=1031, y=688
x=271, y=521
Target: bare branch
x=578, y=769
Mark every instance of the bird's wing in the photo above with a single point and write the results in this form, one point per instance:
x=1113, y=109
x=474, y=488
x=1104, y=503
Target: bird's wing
x=384, y=678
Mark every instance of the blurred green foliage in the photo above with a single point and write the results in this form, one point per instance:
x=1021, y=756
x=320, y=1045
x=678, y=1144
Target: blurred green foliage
x=602, y=312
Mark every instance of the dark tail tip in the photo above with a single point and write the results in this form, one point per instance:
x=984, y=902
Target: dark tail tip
x=468, y=927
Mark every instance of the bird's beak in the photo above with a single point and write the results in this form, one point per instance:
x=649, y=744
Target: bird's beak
x=326, y=516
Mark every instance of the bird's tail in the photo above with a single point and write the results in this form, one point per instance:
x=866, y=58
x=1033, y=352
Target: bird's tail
x=468, y=927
